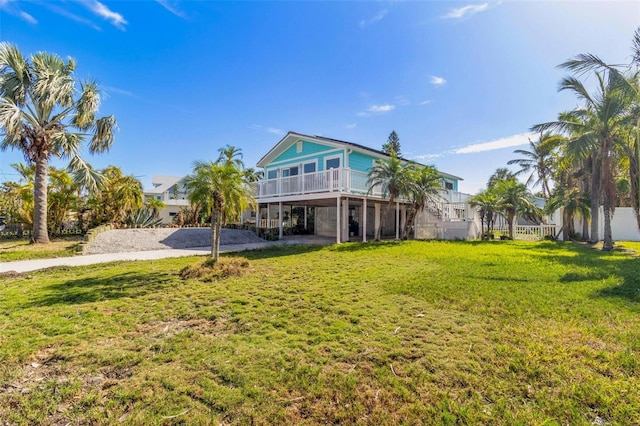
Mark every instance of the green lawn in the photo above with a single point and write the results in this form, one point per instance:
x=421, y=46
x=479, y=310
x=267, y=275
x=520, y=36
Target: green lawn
x=381, y=333
x=11, y=250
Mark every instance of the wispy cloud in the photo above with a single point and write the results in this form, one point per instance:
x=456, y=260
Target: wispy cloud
x=11, y=8
x=275, y=131
x=437, y=81
x=402, y=101
x=376, y=109
x=381, y=108
x=64, y=12
x=351, y=126
x=507, y=142
x=466, y=11
x=172, y=6
x=425, y=102
x=272, y=130
x=379, y=17
x=110, y=89
x=116, y=19
x=30, y=19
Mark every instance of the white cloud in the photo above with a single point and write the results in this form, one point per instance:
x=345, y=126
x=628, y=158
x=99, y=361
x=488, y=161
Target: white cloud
x=507, y=142
x=469, y=10
x=100, y=9
x=425, y=102
x=172, y=7
x=10, y=7
x=437, y=81
x=30, y=19
x=275, y=131
x=109, y=89
x=272, y=130
x=377, y=18
x=381, y=108
x=351, y=126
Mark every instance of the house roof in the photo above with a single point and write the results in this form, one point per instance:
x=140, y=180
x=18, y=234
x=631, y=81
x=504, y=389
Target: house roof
x=162, y=184
x=291, y=137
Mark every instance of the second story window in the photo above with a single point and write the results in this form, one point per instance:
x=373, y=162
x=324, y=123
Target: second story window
x=272, y=174
x=332, y=163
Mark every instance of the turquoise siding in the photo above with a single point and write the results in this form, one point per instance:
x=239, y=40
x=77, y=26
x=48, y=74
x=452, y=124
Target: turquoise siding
x=308, y=148
x=361, y=162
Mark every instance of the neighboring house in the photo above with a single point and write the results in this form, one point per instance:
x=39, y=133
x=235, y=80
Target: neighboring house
x=170, y=190
x=318, y=185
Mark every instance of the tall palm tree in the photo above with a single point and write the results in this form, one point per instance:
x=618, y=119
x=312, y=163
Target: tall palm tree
x=223, y=191
x=537, y=160
x=40, y=116
x=423, y=186
x=392, y=177
x=598, y=127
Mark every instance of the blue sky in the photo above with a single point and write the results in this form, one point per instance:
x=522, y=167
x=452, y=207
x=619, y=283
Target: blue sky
x=460, y=82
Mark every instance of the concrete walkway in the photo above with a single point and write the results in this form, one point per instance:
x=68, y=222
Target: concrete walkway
x=91, y=259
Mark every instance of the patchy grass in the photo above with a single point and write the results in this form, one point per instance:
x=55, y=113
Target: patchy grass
x=208, y=270
x=11, y=250
x=382, y=333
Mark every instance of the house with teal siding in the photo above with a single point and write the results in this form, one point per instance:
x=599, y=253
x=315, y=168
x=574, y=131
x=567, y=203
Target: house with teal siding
x=318, y=185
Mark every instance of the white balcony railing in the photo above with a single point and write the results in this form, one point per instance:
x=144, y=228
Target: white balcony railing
x=333, y=180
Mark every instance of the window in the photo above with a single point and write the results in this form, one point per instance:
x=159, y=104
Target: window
x=332, y=163
x=290, y=171
x=272, y=174
x=172, y=214
x=309, y=168
x=448, y=185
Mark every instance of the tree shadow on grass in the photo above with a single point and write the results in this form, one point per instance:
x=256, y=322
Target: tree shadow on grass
x=96, y=289
x=279, y=250
x=622, y=265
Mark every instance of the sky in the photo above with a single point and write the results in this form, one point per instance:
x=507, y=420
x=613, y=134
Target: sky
x=461, y=83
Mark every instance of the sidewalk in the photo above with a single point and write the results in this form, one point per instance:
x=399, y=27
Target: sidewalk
x=91, y=259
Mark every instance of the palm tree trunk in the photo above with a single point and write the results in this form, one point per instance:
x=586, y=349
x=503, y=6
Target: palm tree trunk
x=216, y=245
x=40, y=234
x=608, y=237
x=213, y=234
x=595, y=200
x=511, y=219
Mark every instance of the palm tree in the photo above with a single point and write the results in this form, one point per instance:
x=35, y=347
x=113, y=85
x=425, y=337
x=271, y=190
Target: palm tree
x=501, y=174
x=40, y=117
x=391, y=176
x=598, y=127
x=486, y=203
x=230, y=154
x=514, y=199
x=424, y=186
x=574, y=202
x=223, y=191
x=116, y=196
x=538, y=161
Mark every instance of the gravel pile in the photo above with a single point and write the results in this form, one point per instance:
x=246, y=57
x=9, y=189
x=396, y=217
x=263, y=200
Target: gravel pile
x=126, y=240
